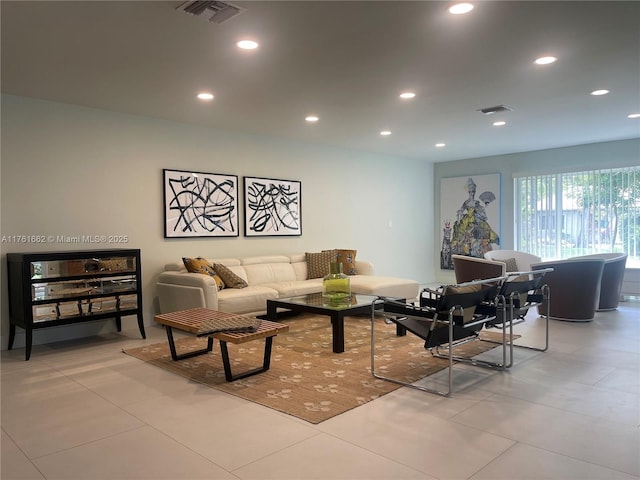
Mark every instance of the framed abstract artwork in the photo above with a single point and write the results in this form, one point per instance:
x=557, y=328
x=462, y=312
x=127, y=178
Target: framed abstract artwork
x=272, y=207
x=469, y=216
x=198, y=204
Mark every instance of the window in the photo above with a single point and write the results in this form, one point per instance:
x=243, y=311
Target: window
x=568, y=214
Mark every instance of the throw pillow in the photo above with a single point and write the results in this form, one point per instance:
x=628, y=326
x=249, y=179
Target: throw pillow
x=348, y=260
x=512, y=266
x=454, y=289
x=230, y=279
x=318, y=263
x=201, y=265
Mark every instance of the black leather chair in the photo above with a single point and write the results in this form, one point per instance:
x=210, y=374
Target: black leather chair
x=449, y=315
x=521, y=292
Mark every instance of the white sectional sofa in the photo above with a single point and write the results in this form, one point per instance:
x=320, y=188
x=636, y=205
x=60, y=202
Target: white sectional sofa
x=268, y=277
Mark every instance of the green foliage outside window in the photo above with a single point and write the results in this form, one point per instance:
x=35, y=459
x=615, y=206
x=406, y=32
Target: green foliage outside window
x=579, y=213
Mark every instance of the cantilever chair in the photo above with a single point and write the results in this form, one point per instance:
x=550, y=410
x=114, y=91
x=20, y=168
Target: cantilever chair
x=450, y=315
x=522, y=291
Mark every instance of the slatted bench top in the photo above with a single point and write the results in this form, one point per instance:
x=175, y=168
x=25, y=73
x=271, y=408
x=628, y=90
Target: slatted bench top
x=201, y=320
x=205, y=321
x=266, y=329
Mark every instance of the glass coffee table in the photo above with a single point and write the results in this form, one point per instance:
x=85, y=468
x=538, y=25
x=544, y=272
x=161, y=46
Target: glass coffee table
x=314, y=303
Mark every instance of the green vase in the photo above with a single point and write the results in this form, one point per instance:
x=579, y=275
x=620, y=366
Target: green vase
x=336, y=286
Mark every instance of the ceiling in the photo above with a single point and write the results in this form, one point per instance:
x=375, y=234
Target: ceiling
x=346, y=62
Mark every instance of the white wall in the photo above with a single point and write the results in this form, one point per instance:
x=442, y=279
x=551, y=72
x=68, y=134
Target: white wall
x=624, y=153
x=69, y=170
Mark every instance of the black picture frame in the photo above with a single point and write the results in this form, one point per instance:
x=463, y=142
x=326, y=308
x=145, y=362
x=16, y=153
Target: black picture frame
x=272, y=207
x=199, y=204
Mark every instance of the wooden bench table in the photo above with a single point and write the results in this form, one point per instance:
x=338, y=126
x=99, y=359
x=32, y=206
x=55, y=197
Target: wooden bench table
x=198, y=322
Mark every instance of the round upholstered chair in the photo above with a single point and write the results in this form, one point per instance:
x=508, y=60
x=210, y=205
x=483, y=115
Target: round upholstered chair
x=574, y=286
x=515, y=260
x=612, y=278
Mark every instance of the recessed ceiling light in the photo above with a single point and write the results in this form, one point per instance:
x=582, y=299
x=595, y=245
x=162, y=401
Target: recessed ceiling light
x=460, y=8
x=247, y=44
x=385, y=133
x=311, y=118
x=499, y=123
x=205, y=96
x=545, y=60
x=407, y=95
x=440, y=145
x=599, y=92
x=633, y=115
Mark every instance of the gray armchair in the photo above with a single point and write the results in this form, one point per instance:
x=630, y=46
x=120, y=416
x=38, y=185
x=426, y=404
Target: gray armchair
x=574, y=286
x=612, y=277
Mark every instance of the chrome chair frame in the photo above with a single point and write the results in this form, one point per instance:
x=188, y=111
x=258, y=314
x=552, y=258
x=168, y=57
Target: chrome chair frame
x=536, y=293
x=397, y=312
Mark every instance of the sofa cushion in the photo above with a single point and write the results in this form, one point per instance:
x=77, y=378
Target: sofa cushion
x=318, y=263
x=262, y=259
x=299, y=264
x=228, y=277
x=259, y=274
x=246, y=300
x=201, y=265
x=295, y=288
x=227, y=262
x=385, y=286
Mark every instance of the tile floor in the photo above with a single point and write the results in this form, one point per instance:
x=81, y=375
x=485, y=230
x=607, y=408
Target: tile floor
x=84, y=410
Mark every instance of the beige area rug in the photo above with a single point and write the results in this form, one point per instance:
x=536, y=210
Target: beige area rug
x=306, y=379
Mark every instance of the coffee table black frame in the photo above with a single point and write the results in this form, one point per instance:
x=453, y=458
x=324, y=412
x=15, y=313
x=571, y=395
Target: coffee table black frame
x=312, y=303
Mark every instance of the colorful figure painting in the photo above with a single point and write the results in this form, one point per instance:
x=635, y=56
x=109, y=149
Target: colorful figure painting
x=473, y=228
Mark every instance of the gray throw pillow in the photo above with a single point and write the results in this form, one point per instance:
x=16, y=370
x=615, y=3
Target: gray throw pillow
x=512, y=266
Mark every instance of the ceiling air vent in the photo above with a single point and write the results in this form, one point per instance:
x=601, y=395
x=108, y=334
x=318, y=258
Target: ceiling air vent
x=218, y=12
x=496, y=109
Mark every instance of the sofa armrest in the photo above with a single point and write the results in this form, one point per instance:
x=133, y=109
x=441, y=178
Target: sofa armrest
x=183, y=290
x=364, y=268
